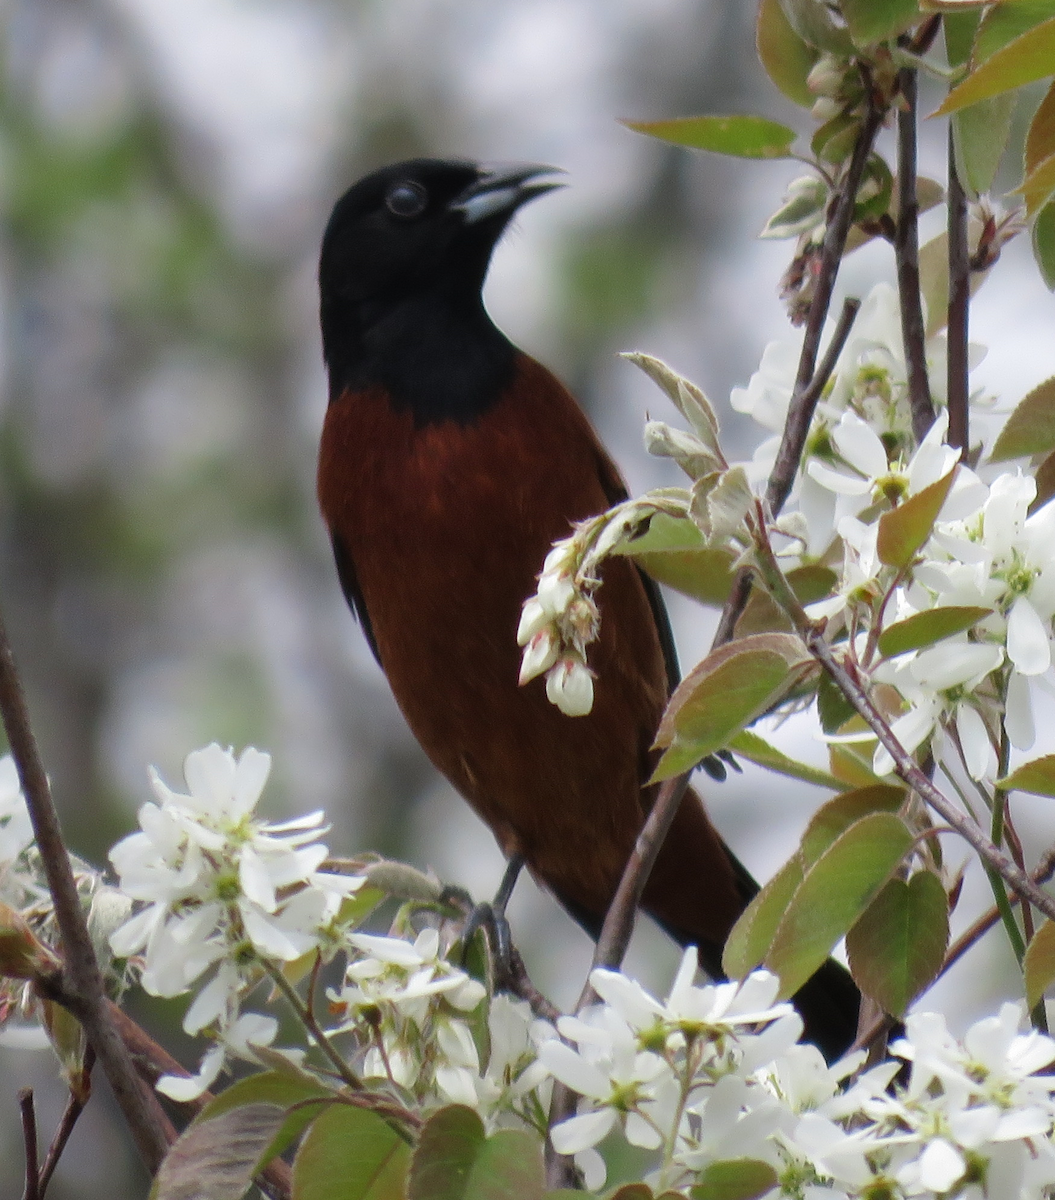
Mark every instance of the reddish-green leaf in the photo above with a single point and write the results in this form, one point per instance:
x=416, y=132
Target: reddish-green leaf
x=217, y=1159
x=1037, y=777
x=757, y=750
x=751, y=936
x=1039, y=963
x=1024, y=60
x=897, y=947
x=278, y=1088
x=673, y=551
x=1030, y=429
x=455, y=1160
x=734, y=1179
x=1040, y=140
x=833, y=894
x=350, y=1154
x=832, y=819
x=904, y=529
x=787, y=59
x=926, y=628
x=731, y=687
x=1044, y=244
x=1039, y=186
x=872, y=21
x=739, y=135
x=814, y=23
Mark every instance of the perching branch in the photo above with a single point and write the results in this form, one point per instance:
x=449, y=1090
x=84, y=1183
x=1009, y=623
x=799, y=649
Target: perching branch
x=78, y=1098
x=86, y=991
x=959, y=308
x=906, y=252
x=29, y=1141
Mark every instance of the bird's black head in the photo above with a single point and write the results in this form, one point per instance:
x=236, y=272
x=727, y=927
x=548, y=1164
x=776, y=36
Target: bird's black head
x=403, y=262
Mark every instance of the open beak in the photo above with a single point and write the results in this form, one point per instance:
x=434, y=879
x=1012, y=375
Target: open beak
x=502, y=188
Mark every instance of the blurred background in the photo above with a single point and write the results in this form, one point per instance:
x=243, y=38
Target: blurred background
x=166, y=169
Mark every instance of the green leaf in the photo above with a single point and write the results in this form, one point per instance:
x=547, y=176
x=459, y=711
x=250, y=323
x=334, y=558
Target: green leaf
x=720, y=505
x=1007, y=21
x=904, y=529
x=217, y=1159
x=741, y=136
x=833, y=708
x=1039, y=963
x=934, y=282
x=926, y=628
x=1030, y=429
x=731, y=687
x=350, y=1154
x=787, y=59
x=1037, y=777
x=272, y=1087
x=832, y=819
x=1026, y=59
x=833, y=894
x=752, y=935
x=673, y=551
x=757, y=750
x=734, y=1179
x=1039, y=186
x=981, y=133
x=1044, y=244
x=455, y=1160
x=814, y=23
x=897, y=947
x=805, y=203
x=872, y=21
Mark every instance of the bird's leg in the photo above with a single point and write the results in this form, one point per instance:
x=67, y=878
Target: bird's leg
x=491, y=917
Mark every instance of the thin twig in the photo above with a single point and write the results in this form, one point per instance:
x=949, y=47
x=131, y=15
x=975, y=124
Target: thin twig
x=78, y=1098
x=736, y=602
x=29, y=1140
x=800, y=414
x=906, y=251
x=85, y=987
x=959, y=308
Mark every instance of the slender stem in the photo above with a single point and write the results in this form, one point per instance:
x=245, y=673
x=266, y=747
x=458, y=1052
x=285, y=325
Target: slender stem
x=29, y=1140
x=309, y=1022
x=78, y=1098
x=959, y=308
x=619, y=920
x=86, y=990
x=906, y=251
x=800, y=414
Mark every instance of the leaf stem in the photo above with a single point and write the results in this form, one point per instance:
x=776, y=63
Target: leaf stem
x=959, y=309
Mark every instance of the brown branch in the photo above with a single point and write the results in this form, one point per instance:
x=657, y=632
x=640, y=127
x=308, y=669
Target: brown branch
x=959, y=309
x=86, y=991
x=800, y=414
x=906, y=252
x=29, y=1141
x=78, y=1098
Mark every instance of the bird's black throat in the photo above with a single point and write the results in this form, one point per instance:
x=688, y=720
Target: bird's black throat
x=441, y=358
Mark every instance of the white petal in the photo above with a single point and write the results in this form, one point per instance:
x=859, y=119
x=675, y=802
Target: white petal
x=540, y=654
x=580, y=1133
x=640, y=1133
x=575, y=1072
x=178, y=1088
x=860, y=445
x=210, y=774
x=837, y=481
x=940, y=1165
x=255, y=881
x=211, y=1002
x=1018, y=717
x=250, y=776
x=1028, y=646
x=974, y=738
x=569, y=685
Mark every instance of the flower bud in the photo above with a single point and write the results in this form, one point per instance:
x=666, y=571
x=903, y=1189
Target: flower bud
x=569, y=685
x=539, y=655
x=533, y=617
x=555, y=592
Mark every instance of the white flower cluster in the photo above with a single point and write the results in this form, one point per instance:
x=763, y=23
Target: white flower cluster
x=986, y=549
x=422, y=1027
x=222, y=893
x=715, y=1075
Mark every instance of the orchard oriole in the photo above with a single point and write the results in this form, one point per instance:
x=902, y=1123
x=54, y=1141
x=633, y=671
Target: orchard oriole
x=450, y=461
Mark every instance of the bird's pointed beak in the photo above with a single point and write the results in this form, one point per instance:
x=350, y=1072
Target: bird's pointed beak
x=502, y=188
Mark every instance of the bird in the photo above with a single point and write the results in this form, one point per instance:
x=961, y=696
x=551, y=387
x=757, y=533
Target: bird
x=450, y=460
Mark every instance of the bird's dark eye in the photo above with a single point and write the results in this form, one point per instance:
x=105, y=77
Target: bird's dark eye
x=407, y=199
